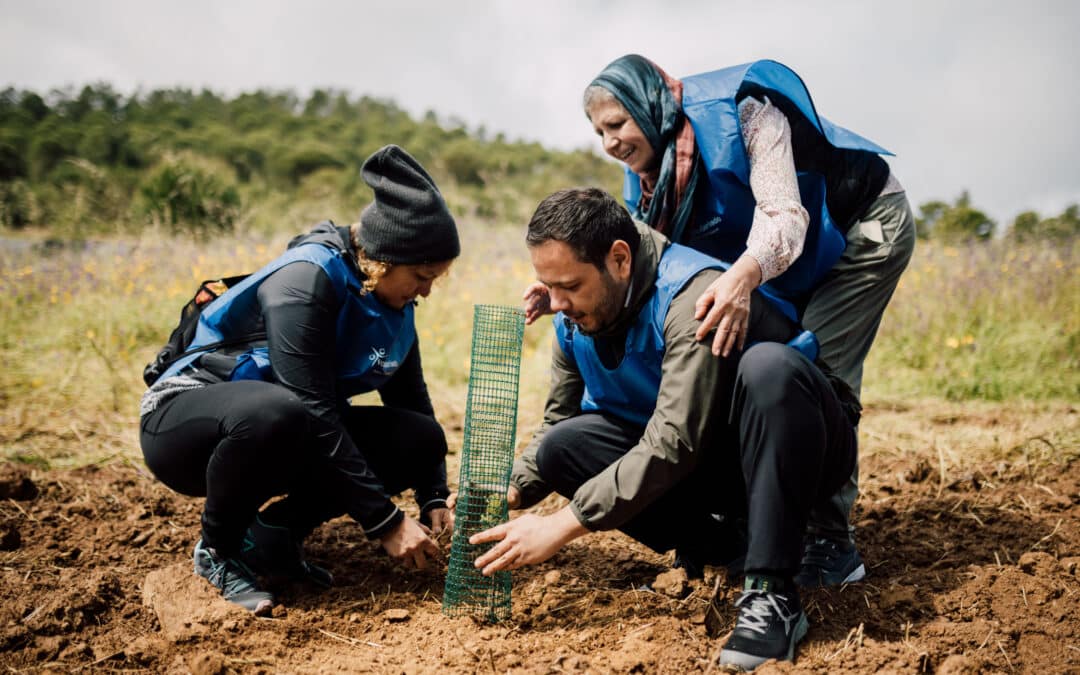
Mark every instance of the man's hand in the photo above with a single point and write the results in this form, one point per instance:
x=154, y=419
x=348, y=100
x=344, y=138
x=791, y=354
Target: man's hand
x=725, y=306
x=527, y=540
x=537, y=302
x=409, y=544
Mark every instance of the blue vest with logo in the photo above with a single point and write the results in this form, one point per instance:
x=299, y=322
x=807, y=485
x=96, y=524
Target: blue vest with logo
x=723, y=213
x=372, y=339
x=630, y=390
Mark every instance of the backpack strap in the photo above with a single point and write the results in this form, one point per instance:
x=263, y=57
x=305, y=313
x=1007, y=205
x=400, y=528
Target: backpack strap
x=162, y=366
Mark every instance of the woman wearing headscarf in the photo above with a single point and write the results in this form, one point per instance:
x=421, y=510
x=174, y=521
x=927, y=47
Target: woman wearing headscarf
x=266, y=412
x=738, y=164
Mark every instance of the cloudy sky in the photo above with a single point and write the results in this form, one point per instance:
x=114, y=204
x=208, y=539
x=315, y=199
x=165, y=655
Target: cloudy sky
x=969, y=95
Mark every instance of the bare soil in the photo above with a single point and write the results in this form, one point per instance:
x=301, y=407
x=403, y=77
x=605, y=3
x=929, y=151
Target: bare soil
x=972, y=571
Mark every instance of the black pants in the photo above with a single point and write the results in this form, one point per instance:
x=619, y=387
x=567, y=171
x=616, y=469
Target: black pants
x=786, y=446
x=242, y=443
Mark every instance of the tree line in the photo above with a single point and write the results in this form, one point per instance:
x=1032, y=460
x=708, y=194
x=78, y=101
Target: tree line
x=962, y=221
x=93, y=159
x=96, y=159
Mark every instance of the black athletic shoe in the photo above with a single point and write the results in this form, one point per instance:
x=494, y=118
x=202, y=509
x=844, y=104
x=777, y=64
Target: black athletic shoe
x=273, y=552
x=769, y=626
x=827, y=562
x=233, y=578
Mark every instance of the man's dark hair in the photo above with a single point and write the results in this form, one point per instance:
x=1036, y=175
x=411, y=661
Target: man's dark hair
x=588, y=220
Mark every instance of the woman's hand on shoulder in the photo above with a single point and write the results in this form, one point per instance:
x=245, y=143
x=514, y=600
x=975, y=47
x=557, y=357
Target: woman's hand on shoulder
x=537, y=302
x=725, y=306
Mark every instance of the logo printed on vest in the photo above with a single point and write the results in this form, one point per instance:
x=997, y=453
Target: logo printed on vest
x=379, y=362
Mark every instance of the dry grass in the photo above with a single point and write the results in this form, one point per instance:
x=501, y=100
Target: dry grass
x=78, y=324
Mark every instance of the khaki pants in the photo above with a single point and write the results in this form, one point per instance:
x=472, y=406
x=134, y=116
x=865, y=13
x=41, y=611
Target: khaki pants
x=845, y=312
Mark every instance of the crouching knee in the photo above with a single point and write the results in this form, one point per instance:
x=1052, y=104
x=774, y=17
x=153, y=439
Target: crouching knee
x=553, y=457
x=270, y=415
x=769, y=373
x=429, y=439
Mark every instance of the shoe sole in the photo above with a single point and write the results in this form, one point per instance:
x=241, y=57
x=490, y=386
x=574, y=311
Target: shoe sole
x=748, y=662
x=857, y=574
x=263, y=608
x=797, y=635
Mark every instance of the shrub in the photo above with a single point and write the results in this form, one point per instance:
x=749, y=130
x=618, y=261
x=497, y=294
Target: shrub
x=19, y=206
x=184, y=194
x=954, y=223
x=1028, y=226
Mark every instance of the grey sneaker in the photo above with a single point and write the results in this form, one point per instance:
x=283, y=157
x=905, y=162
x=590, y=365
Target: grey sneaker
x=233, y=578
x=769, y=626
x=827, y=562
x=273, y=552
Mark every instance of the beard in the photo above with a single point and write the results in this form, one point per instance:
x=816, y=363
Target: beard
x=610, y=304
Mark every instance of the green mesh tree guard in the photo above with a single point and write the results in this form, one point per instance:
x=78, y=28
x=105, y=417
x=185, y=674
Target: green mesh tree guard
x=486, y=459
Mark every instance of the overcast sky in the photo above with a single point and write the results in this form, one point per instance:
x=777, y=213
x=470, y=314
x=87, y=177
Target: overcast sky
x=975, y=95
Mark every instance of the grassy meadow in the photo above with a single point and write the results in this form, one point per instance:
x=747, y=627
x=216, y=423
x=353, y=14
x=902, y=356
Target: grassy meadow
x=987, y=326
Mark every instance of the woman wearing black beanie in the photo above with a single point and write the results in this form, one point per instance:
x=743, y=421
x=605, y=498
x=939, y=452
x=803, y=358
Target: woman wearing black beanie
x=268, y=415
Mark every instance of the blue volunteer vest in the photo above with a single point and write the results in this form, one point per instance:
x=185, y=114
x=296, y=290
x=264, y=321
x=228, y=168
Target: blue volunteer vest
x=630, y=390
x=724, y=212
x=372, y=339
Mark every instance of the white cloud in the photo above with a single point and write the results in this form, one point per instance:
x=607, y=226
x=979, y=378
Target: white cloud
x=969, y=94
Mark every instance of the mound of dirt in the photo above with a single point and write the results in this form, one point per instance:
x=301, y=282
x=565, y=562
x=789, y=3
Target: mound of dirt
x=187, y=607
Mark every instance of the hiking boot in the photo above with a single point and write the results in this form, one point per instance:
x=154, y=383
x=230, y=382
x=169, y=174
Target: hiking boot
x=770, y=623
x=273, y=552
x=233, y=578
x=830, y=562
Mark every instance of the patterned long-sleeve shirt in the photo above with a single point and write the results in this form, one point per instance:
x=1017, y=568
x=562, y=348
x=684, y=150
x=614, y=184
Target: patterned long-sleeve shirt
x=780, y=221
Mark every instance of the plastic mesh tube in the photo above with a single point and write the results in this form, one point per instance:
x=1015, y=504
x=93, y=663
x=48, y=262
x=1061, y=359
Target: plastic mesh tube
x=487, y=456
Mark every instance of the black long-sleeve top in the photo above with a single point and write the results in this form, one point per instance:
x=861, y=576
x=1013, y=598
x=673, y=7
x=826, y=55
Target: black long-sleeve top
x=300, y=313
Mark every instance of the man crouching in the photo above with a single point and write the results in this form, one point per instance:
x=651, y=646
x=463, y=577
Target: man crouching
x=647, y=432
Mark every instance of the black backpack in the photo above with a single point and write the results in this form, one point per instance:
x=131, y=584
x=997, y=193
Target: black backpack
x=181, y=337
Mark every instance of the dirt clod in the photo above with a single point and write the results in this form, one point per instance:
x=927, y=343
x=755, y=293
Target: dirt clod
x=1037, y=561
x=15, y=483
x=896, y=596
x=671, y=583
x=9, y=537
x=958, y=664
x=208, y=663
x=394, y=615
x=186, y=605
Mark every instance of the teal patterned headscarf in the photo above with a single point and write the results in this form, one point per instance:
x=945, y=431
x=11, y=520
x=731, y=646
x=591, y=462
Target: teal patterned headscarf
x=643, y=89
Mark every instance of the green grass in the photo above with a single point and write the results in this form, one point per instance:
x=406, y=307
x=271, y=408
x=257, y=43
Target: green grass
x=985, y=323
x=990, y=321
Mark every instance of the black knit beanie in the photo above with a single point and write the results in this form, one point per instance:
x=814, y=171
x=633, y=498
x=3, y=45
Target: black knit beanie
x=408, y=223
